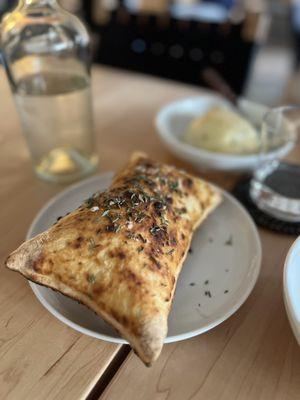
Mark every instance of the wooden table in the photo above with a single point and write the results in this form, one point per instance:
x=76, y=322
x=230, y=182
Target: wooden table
x=251, y=356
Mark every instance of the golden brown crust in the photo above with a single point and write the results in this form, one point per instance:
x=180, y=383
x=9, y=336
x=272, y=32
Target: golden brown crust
x=121, y=252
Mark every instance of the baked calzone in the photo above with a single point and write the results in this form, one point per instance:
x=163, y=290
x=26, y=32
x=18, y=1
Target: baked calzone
x=120, y=253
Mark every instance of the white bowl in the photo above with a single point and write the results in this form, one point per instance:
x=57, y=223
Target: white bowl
x=291, y=287
x=172, y=120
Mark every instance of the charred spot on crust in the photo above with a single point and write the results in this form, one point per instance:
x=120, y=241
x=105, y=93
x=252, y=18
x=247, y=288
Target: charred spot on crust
x=182, y=236
x=78, y=242
x=188, y=183
x=58, y=275
x=155, y=261
x=173, y=240
x=159, y=234
x=111, y=228
x=117, y=253
x=127, y=194
x=36, y=263
x=169, y=200
x=131, y=277
x=121, y=255
x=98, y=289
x=158, y=207
x=148, y=164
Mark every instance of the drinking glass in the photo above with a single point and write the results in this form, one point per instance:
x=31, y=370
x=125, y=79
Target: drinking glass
x=275, y=185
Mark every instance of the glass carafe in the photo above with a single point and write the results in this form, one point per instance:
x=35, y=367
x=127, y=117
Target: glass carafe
x=46, y=54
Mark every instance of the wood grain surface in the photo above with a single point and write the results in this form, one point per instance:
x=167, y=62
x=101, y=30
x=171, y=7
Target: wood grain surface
x=252, y=356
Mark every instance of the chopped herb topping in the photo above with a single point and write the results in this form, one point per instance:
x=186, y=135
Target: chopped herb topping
x=113, y=228
x=140, y=249
x=155, y=229
x=91, y=278
x=159, y=205
x=139, y=217
x=162, y=180
x=164, y=221
x=141, y=238
x=207, y=293
x=173, y=185
x=173, y=241
x=170, y=252
x=92, y=244
x=192, y=284
x=114, y=218
x=135, y=199
x=91, y=201
x=181, y=211
x=226, y=291
x=206, y=282
x=142, y=177
x=136, y=237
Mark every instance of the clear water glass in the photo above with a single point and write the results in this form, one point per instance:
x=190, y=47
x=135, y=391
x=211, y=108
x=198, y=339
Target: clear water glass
x=275, y=185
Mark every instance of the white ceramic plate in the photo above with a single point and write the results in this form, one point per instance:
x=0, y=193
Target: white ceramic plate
x=291, y=287
x=172, y=120
x=226, y=272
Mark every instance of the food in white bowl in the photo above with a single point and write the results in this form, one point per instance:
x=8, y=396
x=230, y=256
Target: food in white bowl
x=222, y=130
x=173, y=120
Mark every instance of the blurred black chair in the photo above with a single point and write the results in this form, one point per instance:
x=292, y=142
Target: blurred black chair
x=6, y=5
x=172, y=48
x=295, y=25
x=168, y=46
